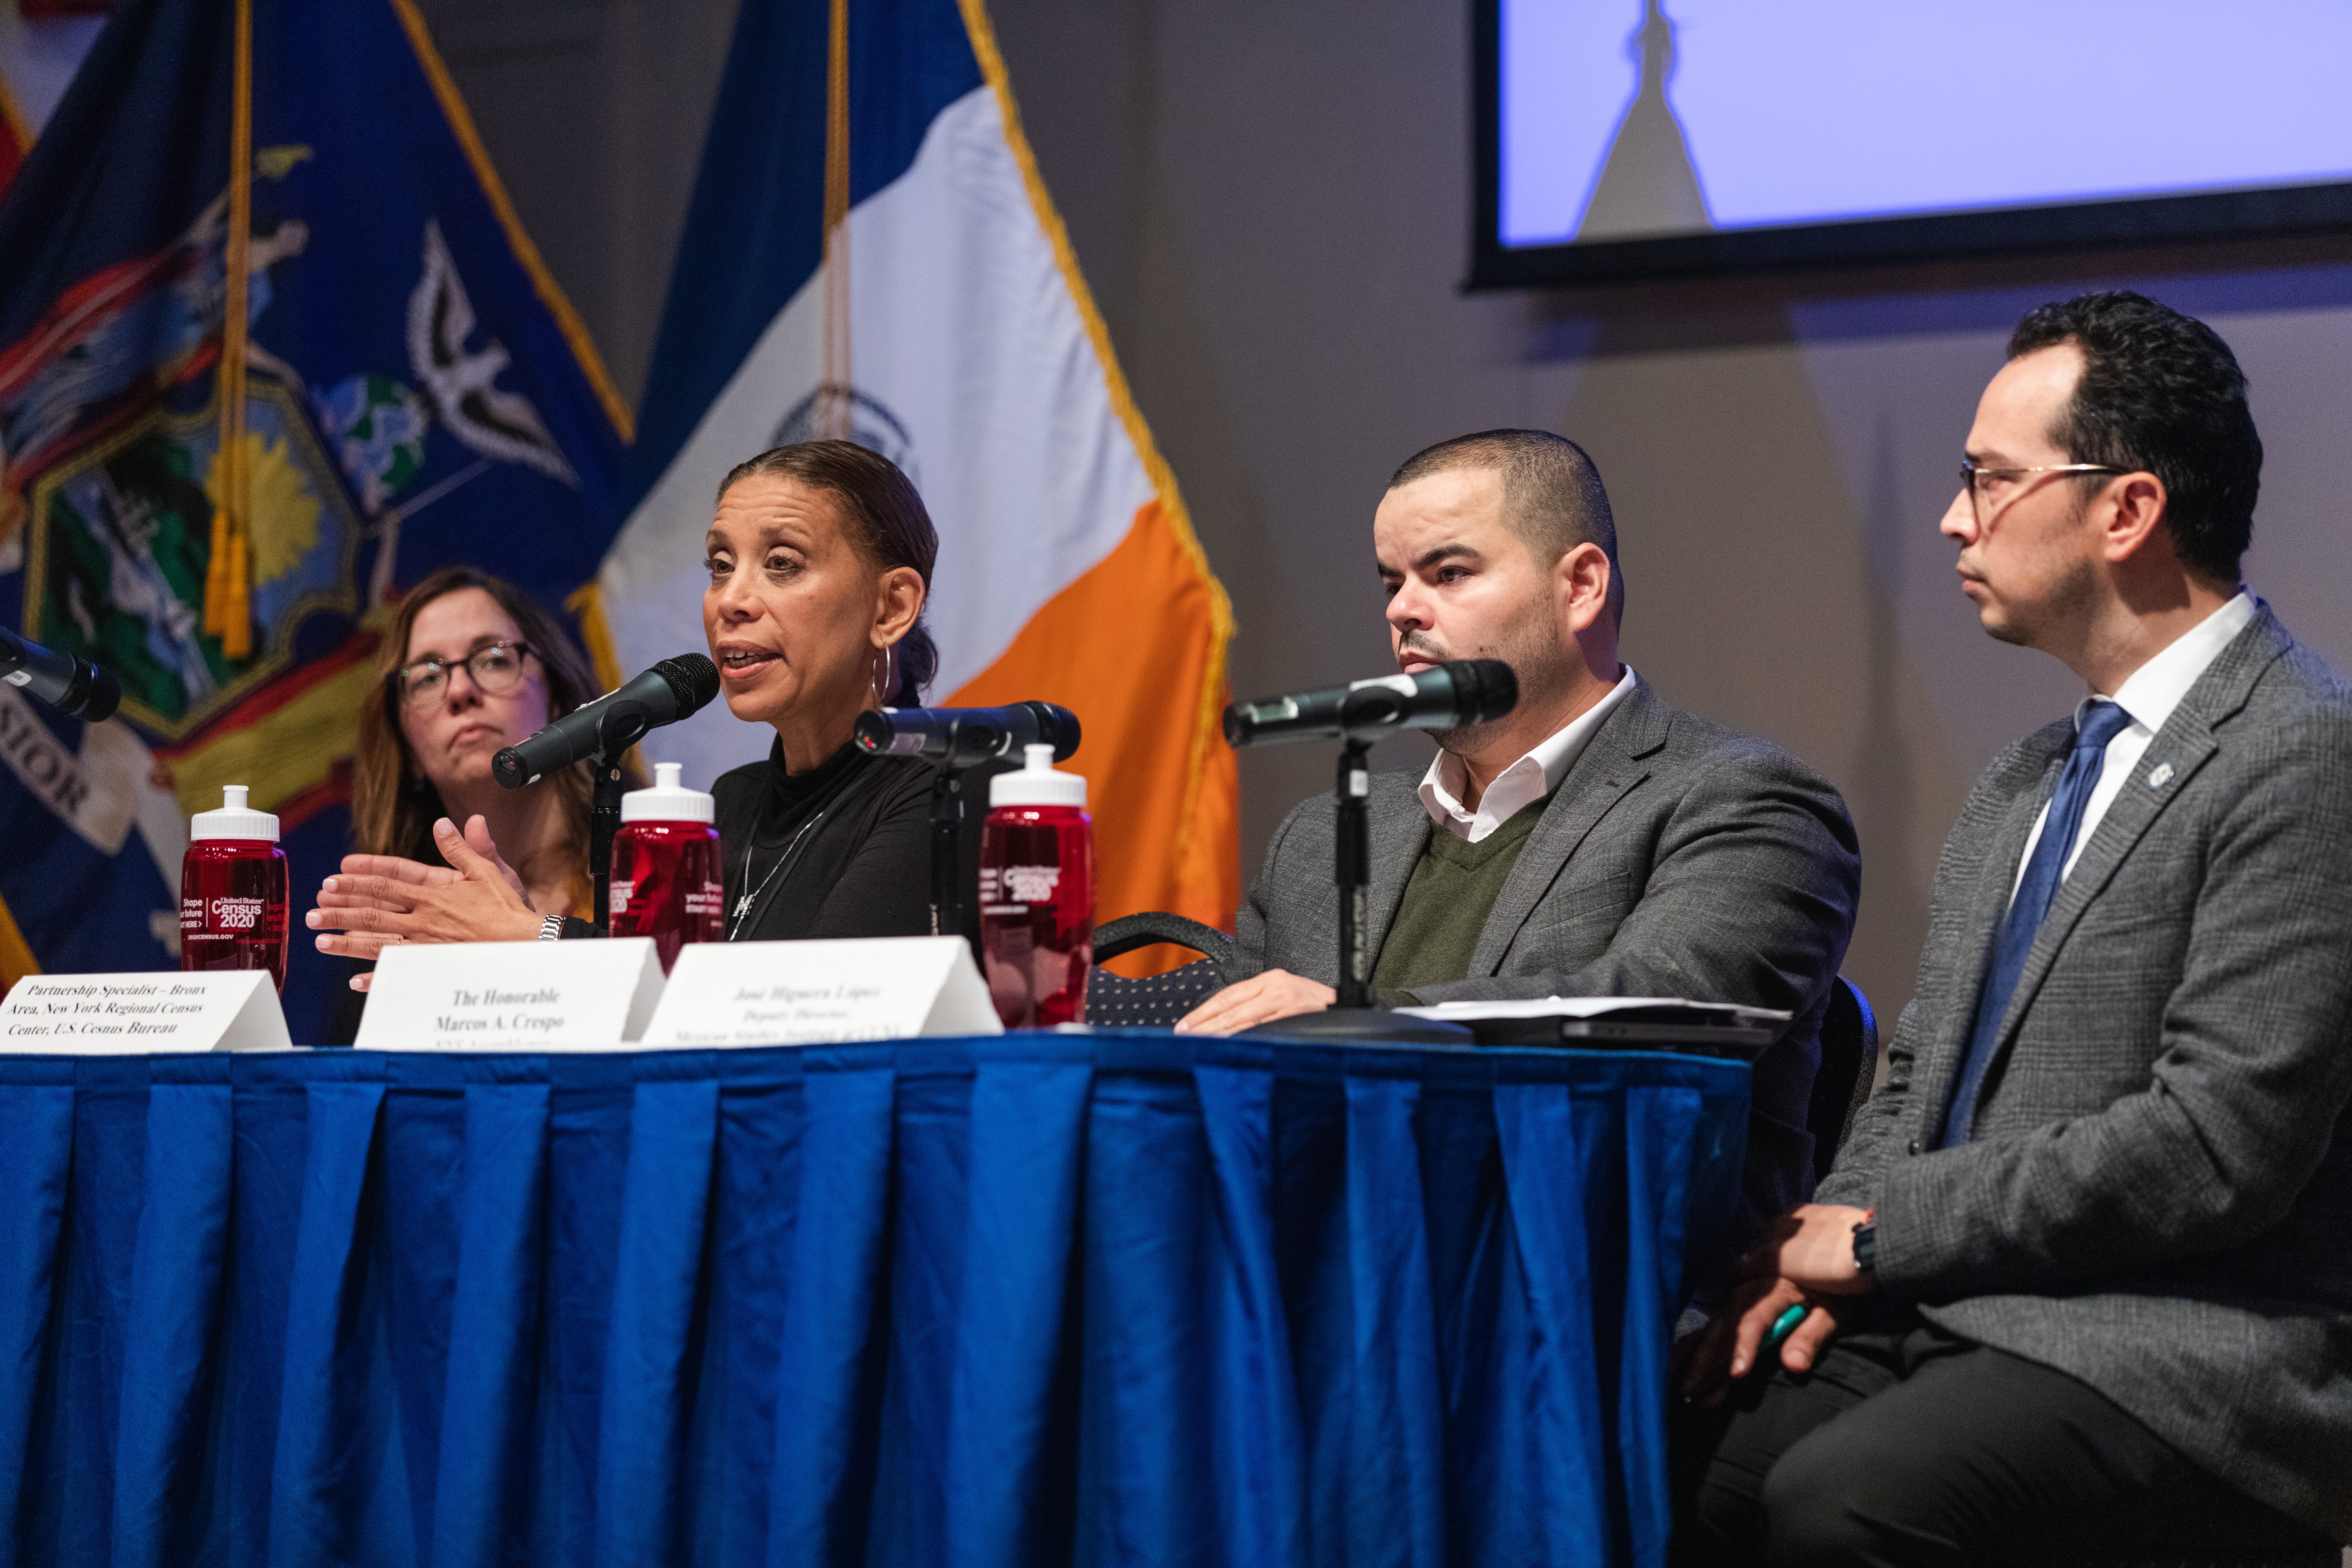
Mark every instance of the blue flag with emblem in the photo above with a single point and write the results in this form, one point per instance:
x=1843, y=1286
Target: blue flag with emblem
x=416, y=391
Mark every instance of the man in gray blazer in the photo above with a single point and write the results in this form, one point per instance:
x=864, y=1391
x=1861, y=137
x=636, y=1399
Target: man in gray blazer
x=1595, y=841
x=2083, y=1270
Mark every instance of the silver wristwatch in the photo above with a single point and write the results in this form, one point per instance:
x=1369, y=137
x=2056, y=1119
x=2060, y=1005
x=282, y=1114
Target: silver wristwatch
x=551, y=929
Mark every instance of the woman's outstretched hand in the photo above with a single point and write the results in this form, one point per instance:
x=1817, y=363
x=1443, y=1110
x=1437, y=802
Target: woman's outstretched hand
x=477, y=839
x=378, y=900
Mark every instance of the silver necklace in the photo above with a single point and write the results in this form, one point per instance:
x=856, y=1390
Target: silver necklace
x=743, y=905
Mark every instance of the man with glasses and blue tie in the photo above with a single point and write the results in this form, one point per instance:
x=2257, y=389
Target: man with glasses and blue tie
x=2082, y=1277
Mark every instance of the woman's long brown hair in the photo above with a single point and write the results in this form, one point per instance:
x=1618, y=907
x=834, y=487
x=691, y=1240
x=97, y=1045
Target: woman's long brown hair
x=393, y=805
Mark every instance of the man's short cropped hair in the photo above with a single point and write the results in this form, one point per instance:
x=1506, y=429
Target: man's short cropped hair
x=2161, y=393
x=1552, y=497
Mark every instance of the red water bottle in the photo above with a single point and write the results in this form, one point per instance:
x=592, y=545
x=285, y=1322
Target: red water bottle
x=667, y=882
x=233, y=891
x=1037, y=894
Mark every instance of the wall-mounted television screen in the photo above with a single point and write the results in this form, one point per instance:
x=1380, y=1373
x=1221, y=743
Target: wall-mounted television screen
x=1655, y=138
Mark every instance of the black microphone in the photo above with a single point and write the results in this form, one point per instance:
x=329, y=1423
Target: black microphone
x=673, y=689
x=74, y=687
x=966, y=737
x=1461, y=691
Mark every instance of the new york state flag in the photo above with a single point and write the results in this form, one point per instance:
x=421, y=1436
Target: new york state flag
x=418, y=392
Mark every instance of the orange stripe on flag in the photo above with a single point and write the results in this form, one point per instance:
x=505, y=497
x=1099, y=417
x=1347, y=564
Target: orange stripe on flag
x=1134, y=649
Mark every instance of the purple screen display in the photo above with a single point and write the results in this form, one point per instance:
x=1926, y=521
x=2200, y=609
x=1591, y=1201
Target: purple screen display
x=1635, y=119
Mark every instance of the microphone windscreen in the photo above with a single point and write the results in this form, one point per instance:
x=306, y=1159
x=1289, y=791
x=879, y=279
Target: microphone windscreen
x=693, y=680
x=105, y=696
x=1058, y=727
x=1488, y=689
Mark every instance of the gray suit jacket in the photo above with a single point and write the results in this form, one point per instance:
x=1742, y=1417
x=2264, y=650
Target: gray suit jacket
x=1675, y=859
x=2159, y=1197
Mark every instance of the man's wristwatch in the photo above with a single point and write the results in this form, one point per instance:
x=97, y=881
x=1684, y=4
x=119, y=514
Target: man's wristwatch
x=1866, y=1243
x=551, y=929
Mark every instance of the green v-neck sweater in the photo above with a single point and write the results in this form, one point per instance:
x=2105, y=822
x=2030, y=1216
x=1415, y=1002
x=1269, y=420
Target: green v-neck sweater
x=1454, y=885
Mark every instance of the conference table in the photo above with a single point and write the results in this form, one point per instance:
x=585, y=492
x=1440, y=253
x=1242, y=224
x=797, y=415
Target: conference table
x=1090, y=1298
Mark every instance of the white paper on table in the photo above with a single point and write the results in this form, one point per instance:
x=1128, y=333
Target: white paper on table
x=134, y=1014
x=584, y=996
x=1589, y=1007
x=824, y=991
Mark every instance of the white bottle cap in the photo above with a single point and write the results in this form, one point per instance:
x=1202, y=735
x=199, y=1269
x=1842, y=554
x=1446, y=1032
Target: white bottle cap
x=668, y=800
x=234, y=819
x=1037, y=784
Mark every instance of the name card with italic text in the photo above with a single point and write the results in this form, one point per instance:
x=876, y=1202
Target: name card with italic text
x=821, y=993
x=134, y=1014
x=511, y=995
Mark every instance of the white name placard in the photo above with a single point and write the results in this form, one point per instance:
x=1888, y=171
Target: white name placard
x=132, y=1015
x=582, y=995
x=821, y=993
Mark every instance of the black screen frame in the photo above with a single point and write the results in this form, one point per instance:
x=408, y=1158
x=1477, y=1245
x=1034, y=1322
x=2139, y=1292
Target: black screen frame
x=2277, y=210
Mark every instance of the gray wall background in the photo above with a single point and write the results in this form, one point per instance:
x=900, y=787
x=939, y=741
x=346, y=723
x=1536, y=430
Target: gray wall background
x=1271, y=199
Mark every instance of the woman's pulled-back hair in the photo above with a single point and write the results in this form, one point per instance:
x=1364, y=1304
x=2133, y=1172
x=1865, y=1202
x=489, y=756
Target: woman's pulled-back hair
x=393, y=805
x=888, y=526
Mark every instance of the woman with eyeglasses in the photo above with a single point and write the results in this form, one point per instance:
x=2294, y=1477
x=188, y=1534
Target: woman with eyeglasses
x=819, y=557
x=471, y=664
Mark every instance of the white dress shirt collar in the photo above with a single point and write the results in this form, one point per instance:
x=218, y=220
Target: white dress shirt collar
x=1522, y=784
x=2151, y=692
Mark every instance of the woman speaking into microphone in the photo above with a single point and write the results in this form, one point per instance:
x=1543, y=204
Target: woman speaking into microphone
x=820, y=561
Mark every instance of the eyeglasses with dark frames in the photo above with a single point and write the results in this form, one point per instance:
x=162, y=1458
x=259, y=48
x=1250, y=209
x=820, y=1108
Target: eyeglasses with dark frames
x=497, y=669
x=1972, y=478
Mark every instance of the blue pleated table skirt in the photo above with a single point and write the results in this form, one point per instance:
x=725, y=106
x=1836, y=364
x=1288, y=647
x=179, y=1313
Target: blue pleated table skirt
x=1042, y=1298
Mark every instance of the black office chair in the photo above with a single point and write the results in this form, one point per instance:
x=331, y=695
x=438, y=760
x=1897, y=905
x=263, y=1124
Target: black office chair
x=1157, y=1002
x=1841, y=1082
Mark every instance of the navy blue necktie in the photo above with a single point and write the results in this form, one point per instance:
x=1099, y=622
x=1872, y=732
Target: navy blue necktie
x=2102, y=722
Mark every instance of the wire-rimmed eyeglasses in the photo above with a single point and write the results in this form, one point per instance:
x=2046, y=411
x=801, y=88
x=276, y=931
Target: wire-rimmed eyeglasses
x=1988, y=506
x=497, y=669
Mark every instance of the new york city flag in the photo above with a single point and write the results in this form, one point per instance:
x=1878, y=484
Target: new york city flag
x=417, y=392
x=870, y=253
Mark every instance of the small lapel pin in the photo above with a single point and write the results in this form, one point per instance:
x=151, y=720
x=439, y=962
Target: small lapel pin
x=2159, y=776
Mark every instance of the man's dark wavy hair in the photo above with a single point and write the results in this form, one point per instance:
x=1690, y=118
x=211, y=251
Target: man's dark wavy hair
x=2161, y=393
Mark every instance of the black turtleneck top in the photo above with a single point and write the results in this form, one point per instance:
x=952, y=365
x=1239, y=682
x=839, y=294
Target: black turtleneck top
x=844, y=849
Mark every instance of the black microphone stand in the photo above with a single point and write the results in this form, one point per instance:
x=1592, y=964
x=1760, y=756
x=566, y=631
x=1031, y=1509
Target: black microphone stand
x=1355, y=1015
x=1351, y=843
x=604, y=822
x=951, y=810
x=963, y=750
x=616, y=733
